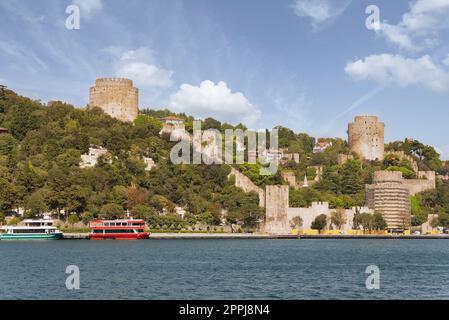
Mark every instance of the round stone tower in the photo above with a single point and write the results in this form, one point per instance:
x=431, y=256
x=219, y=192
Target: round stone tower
x=366, y=137
x=116, y=97
x=389, y=196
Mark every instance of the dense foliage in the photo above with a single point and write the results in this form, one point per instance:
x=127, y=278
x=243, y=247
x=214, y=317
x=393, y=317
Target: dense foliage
x=39, y=169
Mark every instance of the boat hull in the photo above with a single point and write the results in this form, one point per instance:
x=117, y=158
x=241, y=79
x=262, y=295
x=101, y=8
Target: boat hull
x=119, y=236
x=18, y=236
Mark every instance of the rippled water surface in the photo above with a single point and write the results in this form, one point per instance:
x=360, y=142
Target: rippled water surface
x=225, y=269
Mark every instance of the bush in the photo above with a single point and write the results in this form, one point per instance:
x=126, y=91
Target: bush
x=320, y=222
x=406, y=173
x=72, y=219
x=111, y=211
x=87, y=217
x=14, y=221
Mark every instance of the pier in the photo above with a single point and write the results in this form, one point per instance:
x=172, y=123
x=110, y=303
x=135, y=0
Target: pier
x=166, y=236
x=161, y=236
x=76, y=236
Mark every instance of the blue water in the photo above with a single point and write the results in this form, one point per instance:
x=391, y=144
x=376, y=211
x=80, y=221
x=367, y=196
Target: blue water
x=225, y=269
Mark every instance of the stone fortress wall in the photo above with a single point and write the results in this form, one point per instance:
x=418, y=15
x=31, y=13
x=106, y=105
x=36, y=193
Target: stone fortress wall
x=242, y=181
x=279, y=215
x=308, y=215
x=366, y=137
x=117, y=97
x=426, y=180
x=402, y=156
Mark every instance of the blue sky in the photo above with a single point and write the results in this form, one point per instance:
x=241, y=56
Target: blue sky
x=310, y=65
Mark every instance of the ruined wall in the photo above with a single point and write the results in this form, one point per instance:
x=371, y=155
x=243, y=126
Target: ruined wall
x=366, y=137
x=90, y=159
x=115, y=96
x=276, y=217
x=242, y=181
x=289, y=157
x=343, y=158
x=290, y=178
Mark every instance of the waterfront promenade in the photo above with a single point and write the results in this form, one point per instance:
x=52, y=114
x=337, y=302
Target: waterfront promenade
x=162, y=236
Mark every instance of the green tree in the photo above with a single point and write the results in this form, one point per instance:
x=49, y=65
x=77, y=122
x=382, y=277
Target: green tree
x=142, y=211
x=320, y=222
x=379, y=222
x=8, y=195
x=87, y=217
x=351, y=177
x=36, y=203
x=14, y=221
x=443, y=219
x=72, y=219
x=367, y=221
x=296, y=222
x=338, y=218
x=111, y=211
x=419, y=216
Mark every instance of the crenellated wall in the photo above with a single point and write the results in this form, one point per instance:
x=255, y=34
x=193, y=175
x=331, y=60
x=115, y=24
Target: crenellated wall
x=308, y=215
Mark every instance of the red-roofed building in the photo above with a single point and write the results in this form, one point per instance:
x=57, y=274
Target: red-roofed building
x=175, y=127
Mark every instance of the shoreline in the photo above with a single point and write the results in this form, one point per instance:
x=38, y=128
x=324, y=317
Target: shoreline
x=256, y=236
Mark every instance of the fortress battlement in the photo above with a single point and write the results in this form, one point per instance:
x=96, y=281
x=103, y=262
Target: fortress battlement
x=387, y=176
x=113, y=81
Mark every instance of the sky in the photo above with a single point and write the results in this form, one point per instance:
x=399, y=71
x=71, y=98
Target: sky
x=310, y=65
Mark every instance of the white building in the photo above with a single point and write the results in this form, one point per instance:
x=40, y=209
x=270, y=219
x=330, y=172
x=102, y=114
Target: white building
x=90, y=159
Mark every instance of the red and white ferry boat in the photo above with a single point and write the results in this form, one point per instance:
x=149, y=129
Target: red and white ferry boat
x=127, y=229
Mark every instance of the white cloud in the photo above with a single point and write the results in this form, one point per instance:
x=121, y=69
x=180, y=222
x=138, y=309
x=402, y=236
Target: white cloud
x=216, y=101
x=89, y=7
x=387, y=69
x=446, y=60
x=320, y=10
x=140, y=66
x=419, y=26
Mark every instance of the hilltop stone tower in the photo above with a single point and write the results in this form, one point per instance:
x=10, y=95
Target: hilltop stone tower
x=115, y=96
x=366, y=137
x=389, y=196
